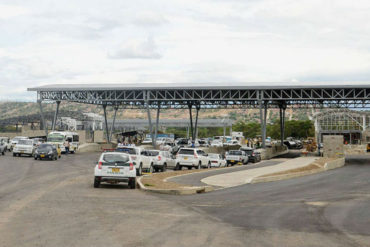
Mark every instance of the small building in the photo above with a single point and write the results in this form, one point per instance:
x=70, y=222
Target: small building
x=353, y=125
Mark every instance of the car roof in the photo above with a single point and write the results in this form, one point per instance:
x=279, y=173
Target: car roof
x=115, y=153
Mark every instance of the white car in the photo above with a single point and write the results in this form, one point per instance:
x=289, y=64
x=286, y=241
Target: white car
x=161, y=160
x=234, y=157
x=216, y=160
x=7, y=142
x=192, y=157
x=141, y=158
x=231, y=143
x=147, y=141
x=216, y=143
x=24, y=146
x=114, y=168
x=16, y=139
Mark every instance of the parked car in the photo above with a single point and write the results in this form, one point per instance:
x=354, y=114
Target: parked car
x=142, y=160
x=253, y=155
x=191, y=157
x=46, y=151
x=216, y=160
x=147, y=141
x=216, y=143
x=290, y=144
x=234, y=157
x=24, y=146
x=114, y=168
x=161, y=160
x=7, y=142
x=15, y=140
x=3, y=147
x=182, y=142
x=231, y=143
x=203, y=143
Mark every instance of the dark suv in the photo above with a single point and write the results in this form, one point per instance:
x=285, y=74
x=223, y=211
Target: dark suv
x=254, y=156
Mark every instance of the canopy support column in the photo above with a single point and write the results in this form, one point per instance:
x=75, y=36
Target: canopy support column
x=191, y=120
x=43, y=118
x=114, y=121
x=55, y=115
x=106, y=123
x=156, y=125
x=282, y=108
x=150, y=123
x=263, y=124
x=197, y=107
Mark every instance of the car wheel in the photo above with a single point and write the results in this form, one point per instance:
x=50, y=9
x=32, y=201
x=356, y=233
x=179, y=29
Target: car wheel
x=35, y=158
x=3, y=153
x=96, y=182
x=177, y=167
x=199, y=165
x=209, y=165
x=164, y=168
x=140, y=170
x=132, y=183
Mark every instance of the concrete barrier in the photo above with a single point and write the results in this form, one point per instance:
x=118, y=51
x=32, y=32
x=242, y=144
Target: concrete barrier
x=89, y=147
x=273, y=151
x=334, y=164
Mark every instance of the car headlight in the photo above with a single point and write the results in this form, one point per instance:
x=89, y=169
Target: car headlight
x=50, y=152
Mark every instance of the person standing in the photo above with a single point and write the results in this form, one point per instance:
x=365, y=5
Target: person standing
x=66, y=145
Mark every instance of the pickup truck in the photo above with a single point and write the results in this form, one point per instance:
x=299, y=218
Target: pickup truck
x=141, y=158
x=236, y=157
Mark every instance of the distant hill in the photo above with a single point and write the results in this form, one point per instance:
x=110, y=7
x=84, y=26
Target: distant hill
x=11, y=109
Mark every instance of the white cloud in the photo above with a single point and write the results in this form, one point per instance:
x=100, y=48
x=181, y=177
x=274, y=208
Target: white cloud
x=145, y=49
x=181, y=41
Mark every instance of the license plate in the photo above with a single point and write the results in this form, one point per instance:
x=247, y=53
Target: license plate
x=233, y=161
x=115, y=169
x=185, y=158
x=42, y=155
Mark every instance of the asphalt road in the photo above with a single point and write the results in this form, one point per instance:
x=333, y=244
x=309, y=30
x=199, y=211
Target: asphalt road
x=53, y=203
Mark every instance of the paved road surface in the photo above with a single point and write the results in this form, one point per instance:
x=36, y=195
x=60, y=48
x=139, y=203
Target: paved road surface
x=53, y=203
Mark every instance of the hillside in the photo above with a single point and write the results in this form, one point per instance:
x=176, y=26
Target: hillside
x=11, y=109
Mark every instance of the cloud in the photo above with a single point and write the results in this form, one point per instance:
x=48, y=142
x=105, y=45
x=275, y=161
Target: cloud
x=10, y=11
x=149, y=19
x=143, y=49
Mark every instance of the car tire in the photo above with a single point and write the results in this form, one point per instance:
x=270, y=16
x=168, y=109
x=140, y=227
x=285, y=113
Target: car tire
x=199, y=165
x=140, y=170
x=35, y=158
x=3, y=153
x=132, y=183
x=177, y=167
x=96, y=183
x=209, y=165
x=151, y=170
x=164, y=168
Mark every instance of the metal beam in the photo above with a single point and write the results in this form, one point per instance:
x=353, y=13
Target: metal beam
x=114, y=120
x=56, y=115
x=42, y=118
x=197, y=108
x=150, y=123
x=157, y=124
x=106, y=123
x=191, y=119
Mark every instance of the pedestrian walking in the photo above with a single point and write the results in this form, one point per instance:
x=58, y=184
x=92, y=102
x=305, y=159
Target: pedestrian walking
x=66, y=145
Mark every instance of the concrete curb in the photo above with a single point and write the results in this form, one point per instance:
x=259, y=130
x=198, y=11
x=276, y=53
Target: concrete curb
x=328, y=166
x=180, y=191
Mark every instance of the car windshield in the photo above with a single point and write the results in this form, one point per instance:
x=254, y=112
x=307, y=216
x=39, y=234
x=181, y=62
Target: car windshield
x=248, y=151
x=115, y=158
x=183, y=141
x=235, y=152
x=25, y=142
x=213, y=156
x=126, y=150
x=154, y=153
x=186, y=151
x=55, y=138
x=44, y=147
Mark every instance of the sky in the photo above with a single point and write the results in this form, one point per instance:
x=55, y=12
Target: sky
x=181, y=41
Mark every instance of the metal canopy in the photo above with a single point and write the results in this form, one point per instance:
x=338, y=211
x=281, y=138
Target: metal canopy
x=210, y=95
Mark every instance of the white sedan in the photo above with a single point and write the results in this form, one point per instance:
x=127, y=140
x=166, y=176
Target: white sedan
x=115, y=167
x=216, y=160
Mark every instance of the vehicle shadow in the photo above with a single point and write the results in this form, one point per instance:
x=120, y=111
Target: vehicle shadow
x=114, y=186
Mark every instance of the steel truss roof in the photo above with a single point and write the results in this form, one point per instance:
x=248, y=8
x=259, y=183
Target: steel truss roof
x=356, y=96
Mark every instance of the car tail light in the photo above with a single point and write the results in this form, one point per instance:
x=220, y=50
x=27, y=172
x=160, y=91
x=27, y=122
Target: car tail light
x=214, y=161
x=252, y=154
x=159, y=157
x=131, y=166
x=133, y=157
x=195, y=156
x=100, y=165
